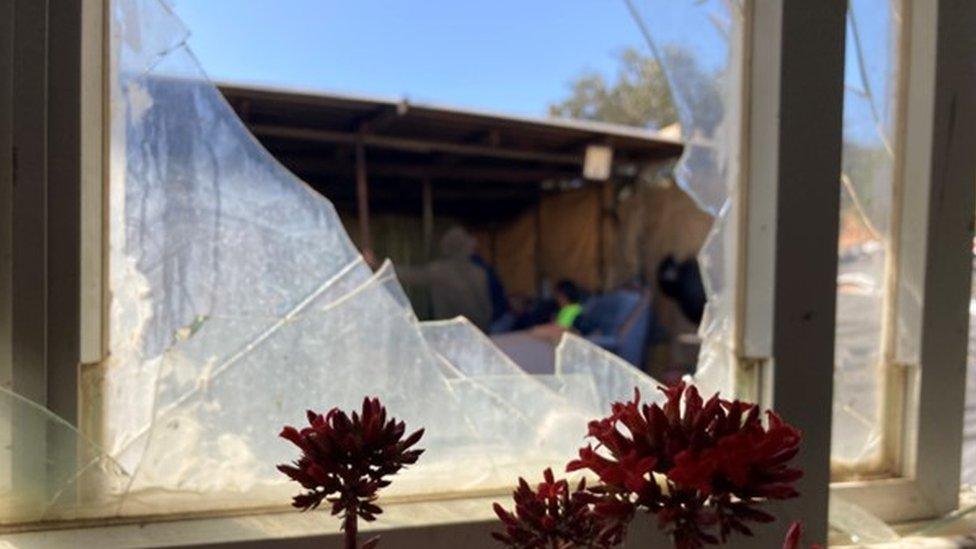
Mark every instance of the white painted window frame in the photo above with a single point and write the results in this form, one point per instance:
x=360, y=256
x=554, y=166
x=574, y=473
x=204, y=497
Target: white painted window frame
x=52, y=120
x=935, y=176
x=791, y=160
x=933, y=251
x=51, y=214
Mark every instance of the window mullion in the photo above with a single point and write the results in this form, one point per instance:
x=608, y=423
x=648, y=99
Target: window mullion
x=933, y=236
x=941, y=167
x=793, y=155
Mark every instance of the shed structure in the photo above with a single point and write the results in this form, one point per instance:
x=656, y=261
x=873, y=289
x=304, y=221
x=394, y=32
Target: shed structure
x=400, y=172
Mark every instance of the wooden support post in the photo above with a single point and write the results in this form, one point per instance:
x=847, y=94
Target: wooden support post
x=540, y=273
x=427, y=199
x=493, y=244
x=601, y=234
x=362, y=197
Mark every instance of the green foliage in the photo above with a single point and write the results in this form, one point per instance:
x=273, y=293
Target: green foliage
x=639, y=95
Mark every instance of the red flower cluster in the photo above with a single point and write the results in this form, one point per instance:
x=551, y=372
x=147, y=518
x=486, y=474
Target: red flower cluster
x=552, y=516
x=346, y=460
x=702, y=470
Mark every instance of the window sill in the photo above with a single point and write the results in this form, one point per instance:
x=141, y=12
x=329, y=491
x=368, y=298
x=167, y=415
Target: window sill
x=439, y=524
x=443, y=523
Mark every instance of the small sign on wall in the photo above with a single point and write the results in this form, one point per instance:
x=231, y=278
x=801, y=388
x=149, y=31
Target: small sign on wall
x=597, y=162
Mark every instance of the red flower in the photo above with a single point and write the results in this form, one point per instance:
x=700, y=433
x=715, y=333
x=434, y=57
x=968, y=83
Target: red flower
x=552, y=516
x=750, y=463
x=715, y=458
x=346, y=460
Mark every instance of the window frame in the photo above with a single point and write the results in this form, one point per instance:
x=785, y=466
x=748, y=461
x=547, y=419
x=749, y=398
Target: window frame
x=786, y=256
x=922, y=429
x=924, y=426
x=52, y=119
x=779, y=131
x=51, y=210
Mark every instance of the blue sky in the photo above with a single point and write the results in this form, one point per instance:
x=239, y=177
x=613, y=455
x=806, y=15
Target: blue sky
x=514, y=56
x=509, y=55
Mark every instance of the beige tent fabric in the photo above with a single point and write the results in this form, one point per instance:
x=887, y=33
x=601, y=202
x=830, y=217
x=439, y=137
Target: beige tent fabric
x=641, y=225
x=654, y=222
x=569, y=244
x=514, y=256
x=570, y=224
x=638, y=229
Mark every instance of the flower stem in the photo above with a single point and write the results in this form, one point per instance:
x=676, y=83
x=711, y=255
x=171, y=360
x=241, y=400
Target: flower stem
x=350, y=528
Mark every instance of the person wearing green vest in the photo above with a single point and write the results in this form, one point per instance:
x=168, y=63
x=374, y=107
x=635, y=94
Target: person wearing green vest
x=568, y=297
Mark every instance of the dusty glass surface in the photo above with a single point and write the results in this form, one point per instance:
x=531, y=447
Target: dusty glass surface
x=48, y=470
x=614, y=379
x=239, y=301
x=463, y=345
x=867, y=187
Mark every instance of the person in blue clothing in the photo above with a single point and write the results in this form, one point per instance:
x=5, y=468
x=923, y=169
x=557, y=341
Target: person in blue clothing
x=496, y=291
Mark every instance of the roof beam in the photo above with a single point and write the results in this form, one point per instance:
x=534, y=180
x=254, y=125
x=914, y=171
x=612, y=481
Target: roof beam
x=338, y=191
x=419, y=171
x=419, y=146
x=380, y=119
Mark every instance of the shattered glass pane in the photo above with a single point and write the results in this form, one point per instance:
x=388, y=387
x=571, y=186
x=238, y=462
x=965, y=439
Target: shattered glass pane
x=614, y=378
x=463, y=345
x=699, y=47
x=76, y=480
x=527, y=426
x=867, y=187
x=213, y=417
x=191, y=191
x=239, y=302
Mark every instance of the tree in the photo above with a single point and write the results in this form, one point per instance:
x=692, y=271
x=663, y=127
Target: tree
x=641, y=95
x=638, y=97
